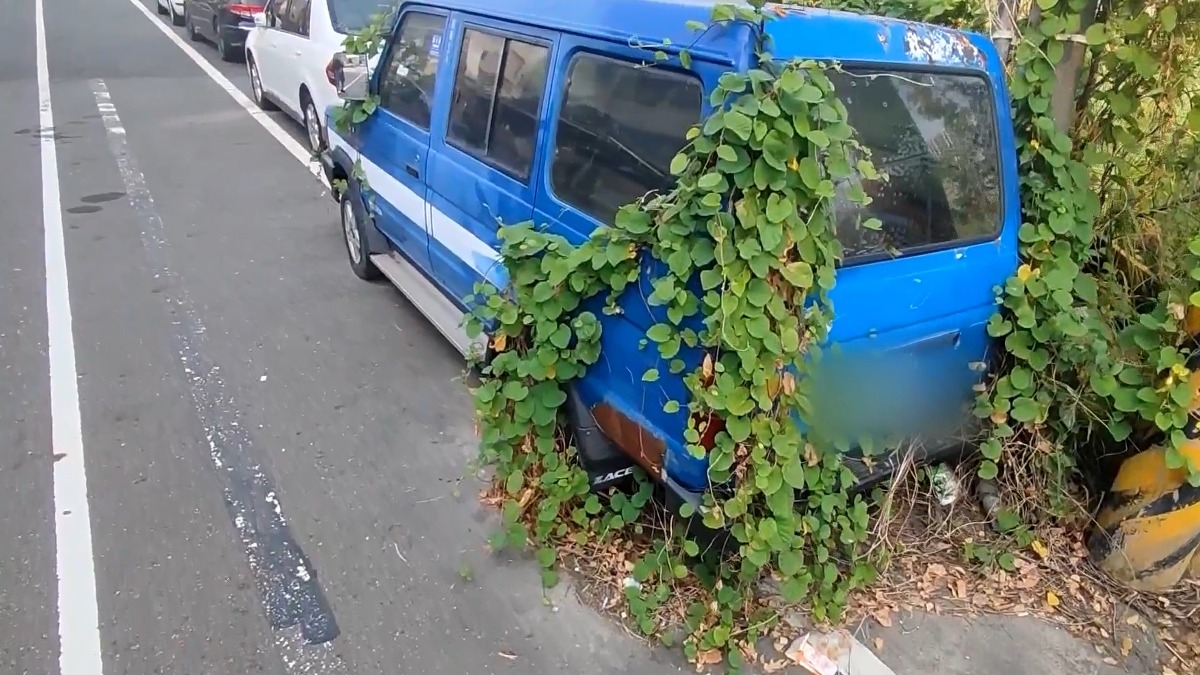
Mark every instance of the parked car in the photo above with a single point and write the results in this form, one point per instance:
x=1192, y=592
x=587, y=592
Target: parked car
x=225, y=23
x=546, y=111
x=289, y=51
x=173, y=9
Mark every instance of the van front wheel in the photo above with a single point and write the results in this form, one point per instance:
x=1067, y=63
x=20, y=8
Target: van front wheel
x=354, y=222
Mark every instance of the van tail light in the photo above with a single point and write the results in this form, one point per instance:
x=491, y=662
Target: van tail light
x=244, y=11
x=709, y=426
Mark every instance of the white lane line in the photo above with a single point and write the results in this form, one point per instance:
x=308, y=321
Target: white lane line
x=78, y=615
x=290, y=144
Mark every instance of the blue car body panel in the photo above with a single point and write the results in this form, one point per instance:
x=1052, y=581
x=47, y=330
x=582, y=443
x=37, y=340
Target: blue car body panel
x=909, y=332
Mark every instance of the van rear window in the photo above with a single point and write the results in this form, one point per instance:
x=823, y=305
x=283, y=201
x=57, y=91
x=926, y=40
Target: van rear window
x=933, y=136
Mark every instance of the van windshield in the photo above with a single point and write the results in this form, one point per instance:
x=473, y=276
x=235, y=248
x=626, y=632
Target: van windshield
x=351, y=16
x=933, y=136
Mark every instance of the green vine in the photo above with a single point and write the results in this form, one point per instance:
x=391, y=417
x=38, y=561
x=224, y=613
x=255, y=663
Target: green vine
x=366, y=43
x=750, y=219
x=1094, y=360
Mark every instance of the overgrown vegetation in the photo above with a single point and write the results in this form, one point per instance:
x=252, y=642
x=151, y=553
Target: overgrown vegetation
x=751, y=219
x=1096, y=323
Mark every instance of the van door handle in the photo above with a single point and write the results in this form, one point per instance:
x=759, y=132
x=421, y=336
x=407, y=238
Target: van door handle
x=412, y=171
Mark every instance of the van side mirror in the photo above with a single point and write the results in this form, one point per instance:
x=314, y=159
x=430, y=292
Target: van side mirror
x=260, y=19
x=350, y=76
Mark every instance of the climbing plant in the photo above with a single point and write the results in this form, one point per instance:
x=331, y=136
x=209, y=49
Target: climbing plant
x=745, y=240
x=1094, y=338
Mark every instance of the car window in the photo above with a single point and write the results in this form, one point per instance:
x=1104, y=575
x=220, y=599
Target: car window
x=410, y=73
x=276, y=10
x=497, y=97
x=351, y=16
x=294, y=19
x=933, y=136
x=620, y=125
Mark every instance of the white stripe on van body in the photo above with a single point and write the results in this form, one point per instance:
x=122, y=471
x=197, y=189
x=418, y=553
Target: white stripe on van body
x=449, y=233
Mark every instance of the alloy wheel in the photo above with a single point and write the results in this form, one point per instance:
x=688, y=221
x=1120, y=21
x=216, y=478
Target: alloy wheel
x=350, y=229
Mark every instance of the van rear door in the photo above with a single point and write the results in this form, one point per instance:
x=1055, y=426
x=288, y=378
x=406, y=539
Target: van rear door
x=913, y=298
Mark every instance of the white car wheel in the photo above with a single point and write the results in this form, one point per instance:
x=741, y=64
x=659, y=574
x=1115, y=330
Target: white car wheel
x=312, y=125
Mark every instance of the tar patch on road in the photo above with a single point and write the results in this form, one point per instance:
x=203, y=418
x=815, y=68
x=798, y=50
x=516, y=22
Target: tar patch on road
x=286, y=580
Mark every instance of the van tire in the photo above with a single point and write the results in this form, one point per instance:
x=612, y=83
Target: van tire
x=354, y=233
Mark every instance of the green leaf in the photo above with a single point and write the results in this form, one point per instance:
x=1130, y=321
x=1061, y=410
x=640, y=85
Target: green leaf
x=685, y=59
x=809, y=93
x=1020, y=378
x=660, y=332
x=819, y=138
x=779, y=209
x=515, y=391
x=650, y=375
x=988, y=470
x=793, y=474
x=1096, y=33
x=671, y=407
x=1025, y=409
x=1168, y=17
x=679, y=164
x=694, y=25
x=514, y=482
x=738, y=123
x=546, y=556
x=791, y=563
x=810, y=172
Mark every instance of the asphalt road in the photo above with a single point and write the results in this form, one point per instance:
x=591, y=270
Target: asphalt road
x=275, y=451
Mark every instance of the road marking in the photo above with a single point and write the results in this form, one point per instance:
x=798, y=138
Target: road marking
x=292, y=598
x=290, y=144
x=78, y=615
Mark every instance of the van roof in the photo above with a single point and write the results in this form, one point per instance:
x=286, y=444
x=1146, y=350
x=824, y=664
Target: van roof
x=799, y=32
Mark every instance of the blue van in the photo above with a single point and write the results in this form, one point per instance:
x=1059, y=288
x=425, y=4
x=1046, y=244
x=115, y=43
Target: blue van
x=506, y=112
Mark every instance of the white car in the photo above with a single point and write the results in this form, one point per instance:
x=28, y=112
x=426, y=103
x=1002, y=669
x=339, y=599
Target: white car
x=289, y=48
x=173, y=9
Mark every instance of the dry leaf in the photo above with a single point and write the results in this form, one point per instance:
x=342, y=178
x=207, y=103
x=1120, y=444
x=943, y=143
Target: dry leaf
x=706, y=369
x=878, y=643
x=1052, y=600
x=1126, y=646
x=708, y=657
x=509, y=655
x=774, y=666
x=500, y=342
x=1040, y=548
x=1110, y=660
x=773, y=385
x=789, y=384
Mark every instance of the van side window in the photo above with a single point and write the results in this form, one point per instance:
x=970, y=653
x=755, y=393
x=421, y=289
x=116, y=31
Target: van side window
x=497, y=100
x=621, y=124
x=410, y=73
